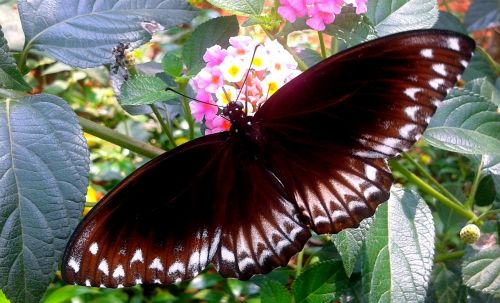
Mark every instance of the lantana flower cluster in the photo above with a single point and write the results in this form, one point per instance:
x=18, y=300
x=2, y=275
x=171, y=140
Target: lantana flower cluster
x=222, y=79
x=319, y=13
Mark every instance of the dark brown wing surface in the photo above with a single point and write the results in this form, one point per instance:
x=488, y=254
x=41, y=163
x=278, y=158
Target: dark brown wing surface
x=330, y=129
x=208, y=201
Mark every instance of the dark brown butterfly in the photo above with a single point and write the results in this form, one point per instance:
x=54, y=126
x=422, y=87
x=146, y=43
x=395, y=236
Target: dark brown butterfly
x=313, y=157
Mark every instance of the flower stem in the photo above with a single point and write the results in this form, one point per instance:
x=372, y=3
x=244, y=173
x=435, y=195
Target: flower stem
x=322, y=44
x=164, y=126
x=470, y=200
x=429, y=177
x=119, y=139
x=300, y=258
x=459, y=209
x=187, y=110
x=449, y=256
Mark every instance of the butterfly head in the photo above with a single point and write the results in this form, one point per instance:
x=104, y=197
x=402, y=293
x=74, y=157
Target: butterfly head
x=241, y=123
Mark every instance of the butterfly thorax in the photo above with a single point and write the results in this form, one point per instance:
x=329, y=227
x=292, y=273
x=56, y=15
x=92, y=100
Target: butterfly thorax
x=242, y=125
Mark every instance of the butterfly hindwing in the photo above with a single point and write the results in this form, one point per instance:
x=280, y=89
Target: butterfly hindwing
x=207, y=201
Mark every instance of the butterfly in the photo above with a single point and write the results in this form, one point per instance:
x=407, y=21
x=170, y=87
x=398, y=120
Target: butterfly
x=313, y=157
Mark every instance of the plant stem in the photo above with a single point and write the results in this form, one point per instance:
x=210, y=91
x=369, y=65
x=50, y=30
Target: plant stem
x=335, y=46
x=470, y=200
x=187, y=111
x=24, y=57
x=302, y=65
x=164, y=126
x=429, y=177
x=449, y=256
x=322, y=44
x=119, y=139
x=459, y=209
x=300, y=258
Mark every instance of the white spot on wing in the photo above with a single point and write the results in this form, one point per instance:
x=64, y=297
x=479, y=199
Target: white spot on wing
x=103, y=266
x=87, y=282
x=435, y=83
x=406, y=130
x=176, y=267
x=137, y=257
x=94, y=248
x=119, y=272
x=74, y=264
x=102, y=286
x=464, y=63
x=426, y=53
x=156, y=264
x=354, y=205
x=227, y=255
x=440, y=69
x=453, y=43
x=178, y=280
x=371, y=172
x=411, y=91
x=157, y=281
x=138, y=281
x=411, y=112
x=119, y=286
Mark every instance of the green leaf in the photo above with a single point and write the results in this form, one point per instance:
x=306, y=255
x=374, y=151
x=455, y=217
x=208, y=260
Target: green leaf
x=240, y=7
x=141, y=90
x=467, y=121
x=68, y=292
x=172, y=64
x=399, y=249
x=214, y=31
x=321, y=282
x=392, y=16
x=446, y=284
x=449, y=22
x=3, y=298
x=481, y=271
x=10, y=76
x=272, y=291
x=349, y=243
x=44, y=169
x=482, y=14
x=83, y=33
x=309, y=57
x=479, y=67
x=351, y=28
x=486, y=193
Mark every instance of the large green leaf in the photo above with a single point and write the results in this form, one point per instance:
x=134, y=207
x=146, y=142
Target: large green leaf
x=215, y=31
x=10, y=77
x=398, y=252
x=392, y=16
x=449, y=22
x=322, y=282
x=83, y=32
x=3, y=298
x=240, y=7
x=141, y=90
x=349, y=243
x=481, y=271
x=272, y=291
x=467, y=121
x=44, y=164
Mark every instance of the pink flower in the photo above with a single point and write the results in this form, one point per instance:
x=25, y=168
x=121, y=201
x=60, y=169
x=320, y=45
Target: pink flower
x=319, y=12
x=217, y=125
x=209, y=79
x=201, y=110
x=214, y=55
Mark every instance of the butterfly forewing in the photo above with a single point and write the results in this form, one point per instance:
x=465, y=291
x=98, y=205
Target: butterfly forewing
x=317, y=159
x=330, y=128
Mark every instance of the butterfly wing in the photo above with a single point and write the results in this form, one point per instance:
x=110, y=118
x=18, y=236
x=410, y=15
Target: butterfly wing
x=330, y=129
x=200, y=203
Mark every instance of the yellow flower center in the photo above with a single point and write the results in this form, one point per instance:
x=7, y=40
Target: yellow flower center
x=233, y=70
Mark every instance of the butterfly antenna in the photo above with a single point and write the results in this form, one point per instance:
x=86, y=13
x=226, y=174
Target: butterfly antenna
x=248, y=72
x=190, y=98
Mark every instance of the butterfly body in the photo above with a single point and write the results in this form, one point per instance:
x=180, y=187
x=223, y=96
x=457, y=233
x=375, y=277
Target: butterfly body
x=312, y=157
